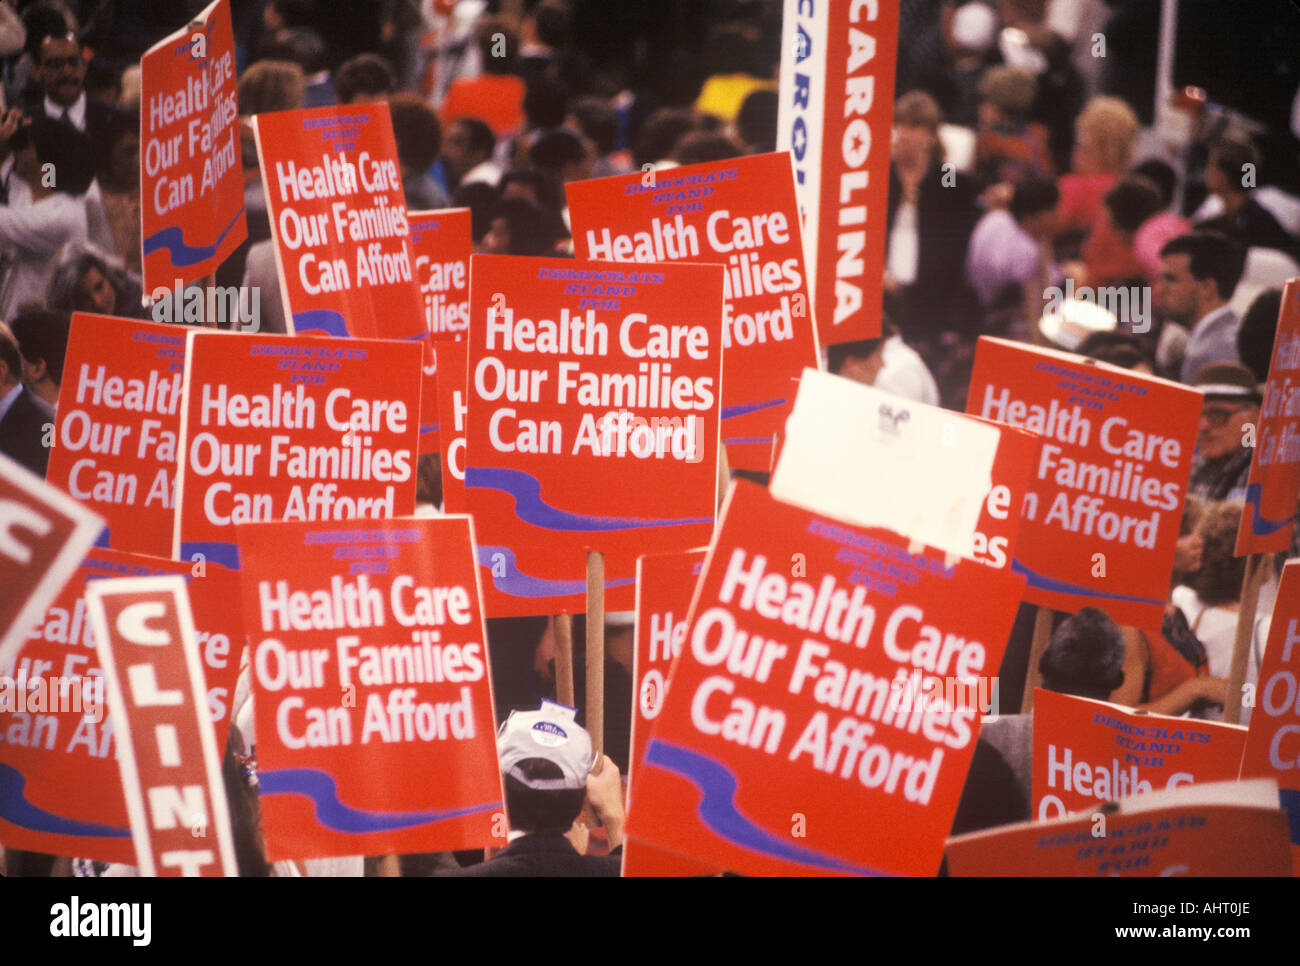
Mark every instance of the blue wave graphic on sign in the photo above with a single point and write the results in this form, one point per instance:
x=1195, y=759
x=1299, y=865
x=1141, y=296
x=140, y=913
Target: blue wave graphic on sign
x=532, y=509
x=1260, y=525
x=718, y=810
x=425, y=430
x=746, y=440
x=320, y=787
x=1061, y=587
x=321, y=320
x=516, y=583
x=182, y=254
x=17, y=810
x=226, y=554
x=101, y=541
x=742, y=409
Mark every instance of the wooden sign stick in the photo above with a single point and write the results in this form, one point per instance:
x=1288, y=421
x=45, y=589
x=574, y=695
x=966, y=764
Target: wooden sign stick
x=1042, y=637
x=596, y=649
x=562, y=629
x=1256, y=573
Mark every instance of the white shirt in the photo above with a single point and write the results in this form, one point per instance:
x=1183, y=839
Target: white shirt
x=34, y=234
x=76, y=113
x=487, y=172
x=1214, y=339
x=904, y=245
x=905, y=373
x=1000, y=253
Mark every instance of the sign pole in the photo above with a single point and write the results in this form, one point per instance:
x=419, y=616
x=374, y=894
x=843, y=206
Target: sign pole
x=1042, y=637
x=1256, y=572
x=596, y=649
x=562, y=628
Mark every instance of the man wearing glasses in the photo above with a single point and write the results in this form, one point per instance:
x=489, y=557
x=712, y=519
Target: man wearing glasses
x=60, y=70
x=1229, y=416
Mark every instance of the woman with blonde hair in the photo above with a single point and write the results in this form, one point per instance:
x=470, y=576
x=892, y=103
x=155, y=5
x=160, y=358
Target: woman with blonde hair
x=1104, y=134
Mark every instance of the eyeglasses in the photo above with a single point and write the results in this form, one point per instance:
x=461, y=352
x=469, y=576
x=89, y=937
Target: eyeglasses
x=58, y=63
x=1218, y=416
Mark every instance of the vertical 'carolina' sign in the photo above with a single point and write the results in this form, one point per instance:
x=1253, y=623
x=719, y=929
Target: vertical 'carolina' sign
x=836, y=109
x=191, y=177
x=170, y=769
x=338, y=217
x=279, y=428
x=115, y=432
x=371, y=687
x=1274, y=484
x=1100, y=518
x=593, y=422
x=742, y=213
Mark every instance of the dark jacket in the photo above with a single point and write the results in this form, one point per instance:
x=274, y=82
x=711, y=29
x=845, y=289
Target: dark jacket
x=939, y=299
x=544, y=854
x=22, y=432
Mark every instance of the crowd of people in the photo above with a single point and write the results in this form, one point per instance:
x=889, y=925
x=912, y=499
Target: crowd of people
x=1024, y=165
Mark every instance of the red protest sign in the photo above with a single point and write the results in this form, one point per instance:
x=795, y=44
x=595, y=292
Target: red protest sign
x=592, y=424
x=279, y=428
x=1220, y=829
x=442, y=244
x=1273, y=739
x=171, y=771
x=341, y=230
x=1088, y=751
x=1100, y=520
x=43, y=535
x=56, y=742
x=338, y=217
x=994, y=540
x=1273, y=488
x=429, y=440
x=826, y=672
x=740, y=212
x=116, y=425
x=664, y=585
x=191, y=175
x=372, y=694
x=835, y=116
x=452, y=412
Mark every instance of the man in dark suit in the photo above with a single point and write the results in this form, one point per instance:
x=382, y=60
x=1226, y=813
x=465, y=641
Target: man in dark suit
x=547, y=765
x=60, y=72
x=23, y=417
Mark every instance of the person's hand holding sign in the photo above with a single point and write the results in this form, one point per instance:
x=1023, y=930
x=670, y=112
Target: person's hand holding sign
x=605, y=795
